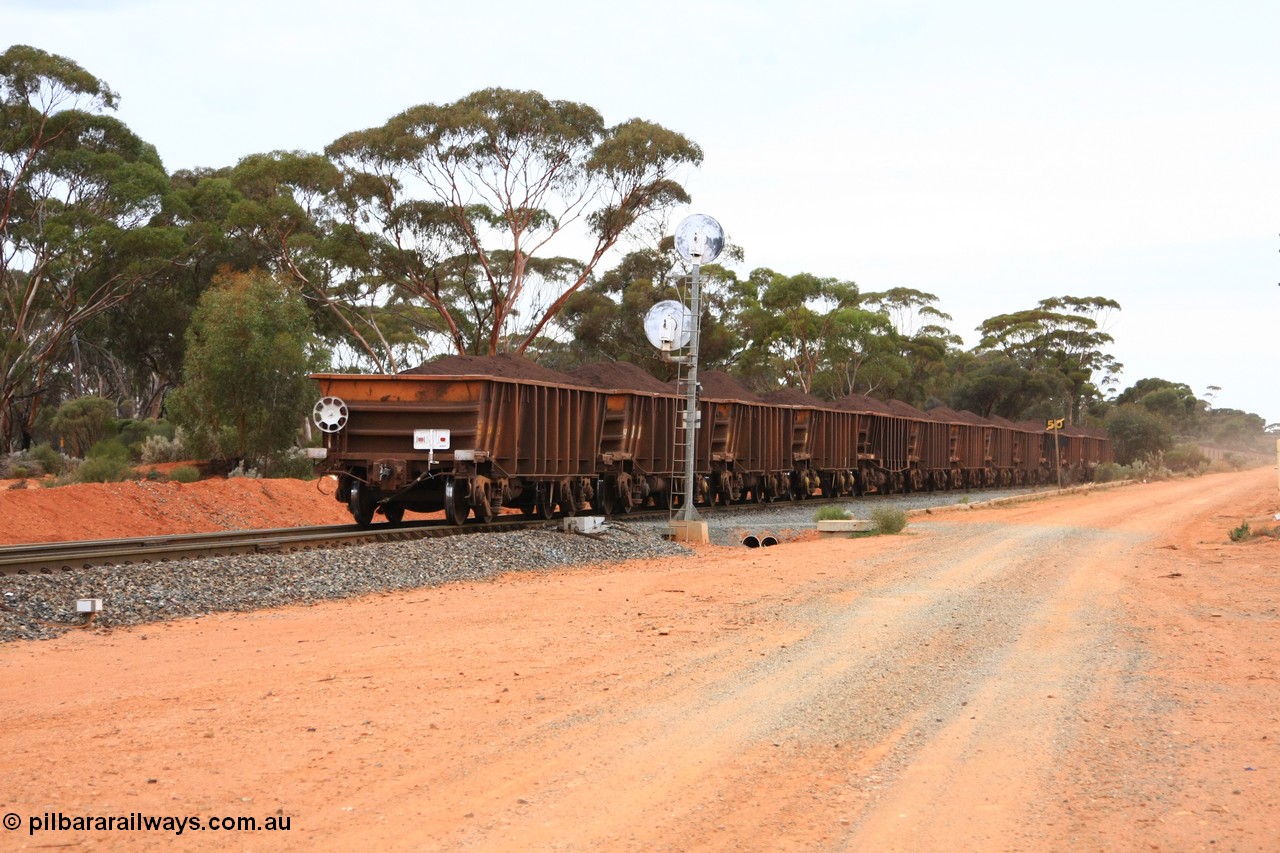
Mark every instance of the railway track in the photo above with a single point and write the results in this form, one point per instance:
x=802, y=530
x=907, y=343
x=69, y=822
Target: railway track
x=50, y=557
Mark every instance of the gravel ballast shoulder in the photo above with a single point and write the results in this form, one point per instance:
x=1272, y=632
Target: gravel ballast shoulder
x=43, y=606
x=788, y=519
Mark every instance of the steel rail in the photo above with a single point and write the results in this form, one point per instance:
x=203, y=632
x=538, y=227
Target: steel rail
x=51, y=557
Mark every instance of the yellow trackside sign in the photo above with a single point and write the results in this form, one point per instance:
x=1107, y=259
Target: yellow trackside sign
x=1052, y=424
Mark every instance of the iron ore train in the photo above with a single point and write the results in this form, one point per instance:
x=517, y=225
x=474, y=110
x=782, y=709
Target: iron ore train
x=470, y=435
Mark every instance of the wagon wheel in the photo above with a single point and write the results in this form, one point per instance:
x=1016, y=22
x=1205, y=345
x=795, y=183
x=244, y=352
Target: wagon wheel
x=544, y=507
x=606, y=499
x=567, y=500
x=804, y=486
x=482, y=506
x=455, y=500
x=721, y=491
x=703, y=495
x=771, y=488
x=828, y=484
x=394, y=514
x=626, y=502
x=361, y=503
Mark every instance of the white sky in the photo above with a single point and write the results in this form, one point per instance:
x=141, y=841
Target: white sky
x=991, y=153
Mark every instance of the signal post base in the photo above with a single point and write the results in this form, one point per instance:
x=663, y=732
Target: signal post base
x=681, y=530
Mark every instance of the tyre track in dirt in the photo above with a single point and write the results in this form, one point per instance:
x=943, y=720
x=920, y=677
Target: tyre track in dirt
x=965, y=678
x=893, y=665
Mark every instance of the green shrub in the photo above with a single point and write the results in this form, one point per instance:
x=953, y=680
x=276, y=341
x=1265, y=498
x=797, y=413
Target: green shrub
x=1241, y=533
x=184, y=474
x=132, y=432
x=104, y=469
x=70, y=474
x=110, y=448
x=889, y=520
x=50, y=459
x=135, y=434
x=1150, y=469
x=1184, y=457
x=82, y=422
x=831, y=513
x=158, y=448
x=19, y=466
x=1108, y=472
x=1137, y=433
x=245, y=387
x=292, y=464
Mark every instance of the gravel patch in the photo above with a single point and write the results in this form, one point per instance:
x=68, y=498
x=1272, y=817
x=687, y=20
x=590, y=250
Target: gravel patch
x=43, y=606
x=786, y=520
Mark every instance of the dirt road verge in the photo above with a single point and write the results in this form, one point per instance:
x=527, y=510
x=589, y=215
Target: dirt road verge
x=1092, y=671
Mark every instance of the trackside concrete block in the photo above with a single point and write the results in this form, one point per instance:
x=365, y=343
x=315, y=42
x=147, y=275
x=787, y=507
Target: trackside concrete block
x=583, y=524
x=844, y=526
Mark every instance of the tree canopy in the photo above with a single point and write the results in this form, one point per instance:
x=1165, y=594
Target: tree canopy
x=1064, y=335
x=503, y=221
x=245, y=389
x=78, y=192
x=459, y=203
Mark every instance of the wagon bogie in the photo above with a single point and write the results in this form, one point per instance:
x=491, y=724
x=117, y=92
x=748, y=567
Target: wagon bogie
x=804, y=482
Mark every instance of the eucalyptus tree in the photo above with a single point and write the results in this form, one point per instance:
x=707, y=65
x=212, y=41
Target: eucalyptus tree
x=995, y=383
x=605, y=317
x=1174, y=401
x=461, y=203
x=804, y=331
x=245, y=388
x=78, y=192
x=291, y=206
x=1064, y=338
x=1137, y=434
x=918, y=346
x=142, y=338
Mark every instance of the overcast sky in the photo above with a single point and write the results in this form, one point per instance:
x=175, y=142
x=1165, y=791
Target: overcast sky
x=991, y=153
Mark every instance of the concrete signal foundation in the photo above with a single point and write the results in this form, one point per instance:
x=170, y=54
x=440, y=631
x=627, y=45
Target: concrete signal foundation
x=688, y=531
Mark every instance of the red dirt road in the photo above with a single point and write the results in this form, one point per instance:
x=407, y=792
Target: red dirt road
x=1088, y=672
